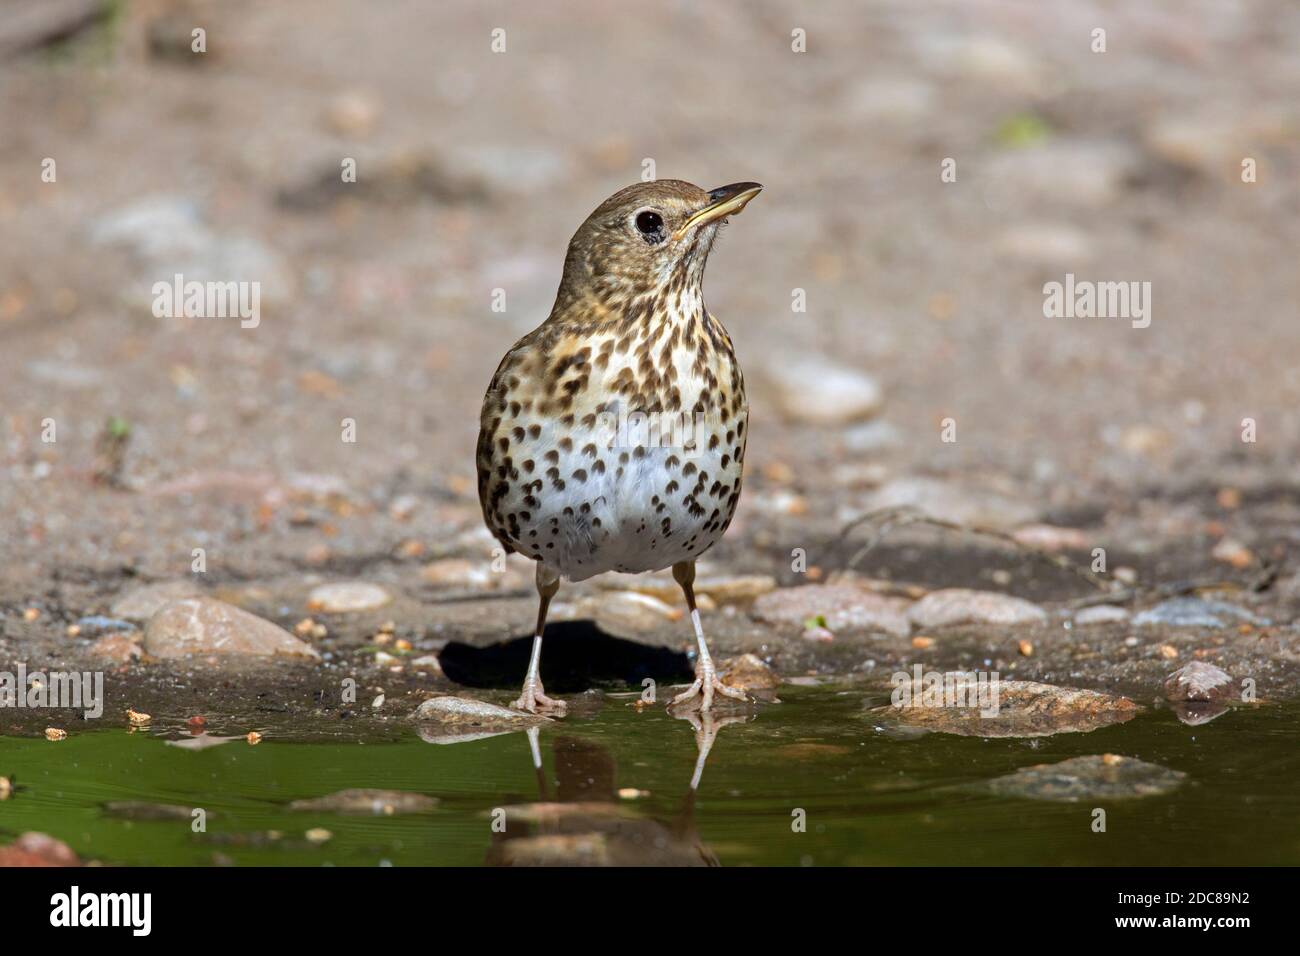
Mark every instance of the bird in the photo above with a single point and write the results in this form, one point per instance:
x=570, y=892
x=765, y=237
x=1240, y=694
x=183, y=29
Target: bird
x=612, y=436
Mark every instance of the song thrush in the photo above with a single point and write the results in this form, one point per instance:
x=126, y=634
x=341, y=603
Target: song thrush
x=613, y=434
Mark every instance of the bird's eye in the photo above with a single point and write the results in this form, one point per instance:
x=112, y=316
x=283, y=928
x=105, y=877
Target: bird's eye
x=650, y=225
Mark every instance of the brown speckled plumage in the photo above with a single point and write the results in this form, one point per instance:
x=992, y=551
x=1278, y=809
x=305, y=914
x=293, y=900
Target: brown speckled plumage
x=562, y=478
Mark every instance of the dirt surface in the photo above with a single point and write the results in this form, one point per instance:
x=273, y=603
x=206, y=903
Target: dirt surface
x=475, y=167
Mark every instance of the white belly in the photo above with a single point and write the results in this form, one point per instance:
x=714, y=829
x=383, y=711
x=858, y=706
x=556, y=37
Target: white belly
x=619, y=508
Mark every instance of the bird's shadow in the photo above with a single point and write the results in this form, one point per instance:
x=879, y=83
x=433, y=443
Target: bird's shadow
x=578, y=656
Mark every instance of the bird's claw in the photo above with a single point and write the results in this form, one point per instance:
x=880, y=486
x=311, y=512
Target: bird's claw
x=705, y=686
x=534, y=701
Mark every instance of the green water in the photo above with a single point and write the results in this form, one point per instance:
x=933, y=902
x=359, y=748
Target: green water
x=867, y=798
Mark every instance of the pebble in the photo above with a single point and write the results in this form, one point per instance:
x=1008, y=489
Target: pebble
x=140, y=604
x=947, y=502
x=474, y=575
x=842, y=607
x=1200, y=682
x=96, y=625
x=1101, y=614
x=816, y=391
x=722, y=589
x=1045, y=244
x=1051, y=538
x=367, y=802
x=1094, y=777
x=952, y=606
x=347, y=596
x=748, y=672
x=1196, y=612
x=209, y=626
x=1233, y=552
x=626, y=613
x=1024, y=709
x=118, y=648
x=353, y=113
x=465, y=711
x=37, y=849
x=872, y=437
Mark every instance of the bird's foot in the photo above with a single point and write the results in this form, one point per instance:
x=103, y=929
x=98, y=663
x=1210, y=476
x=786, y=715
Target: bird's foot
x=705, y=686
x=534, y=701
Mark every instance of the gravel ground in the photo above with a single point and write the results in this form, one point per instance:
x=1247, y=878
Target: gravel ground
x=924, y=317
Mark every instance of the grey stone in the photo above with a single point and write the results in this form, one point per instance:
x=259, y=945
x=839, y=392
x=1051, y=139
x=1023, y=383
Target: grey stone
x=952, y=606
x=843, y=606
x=1094, y=777
x=207, y=626
x=1196, y=612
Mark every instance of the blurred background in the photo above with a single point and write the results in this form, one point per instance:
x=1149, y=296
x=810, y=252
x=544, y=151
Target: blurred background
x=924, y=299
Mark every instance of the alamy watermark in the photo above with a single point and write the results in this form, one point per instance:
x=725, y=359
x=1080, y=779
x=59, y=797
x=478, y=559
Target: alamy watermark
x=77, y=690
x=208, y=300
x=684, y=432
x=962, y=689
x=1085, y=299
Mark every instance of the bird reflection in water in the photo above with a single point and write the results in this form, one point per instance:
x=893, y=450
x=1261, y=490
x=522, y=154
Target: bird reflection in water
x=585, y=823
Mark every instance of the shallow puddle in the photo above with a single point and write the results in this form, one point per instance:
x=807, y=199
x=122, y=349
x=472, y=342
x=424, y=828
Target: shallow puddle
x=615, y=786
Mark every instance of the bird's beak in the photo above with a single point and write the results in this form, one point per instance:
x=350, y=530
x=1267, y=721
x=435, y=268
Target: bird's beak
x=724, y=201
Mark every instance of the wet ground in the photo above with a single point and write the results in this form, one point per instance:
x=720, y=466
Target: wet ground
x=924, y=304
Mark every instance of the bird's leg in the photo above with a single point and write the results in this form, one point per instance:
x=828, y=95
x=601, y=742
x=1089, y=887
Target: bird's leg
x=706, y=676
x=533, y=698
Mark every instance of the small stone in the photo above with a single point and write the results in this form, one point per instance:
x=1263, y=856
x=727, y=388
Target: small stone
x=838, y=607
x=1050, y=538
x=1196, y=612
x=958, y=504
x=968, y=707
x=736, y=589
x=97, y=625
x=1233, y=552
x=1229, y=498
x=1126, y=575
x=428, y=662
x=377, y=702
x=817, y=391
x=208, y=626
x=1045, y=244
x=1094, y=777
x=31, y=614
x=1168, y=651
x=461, y=573
x=354, y=113
x=347, y=596
x=367, y=802
x=952, y=606
x=37, y=849
x=818, y=634
x=1026, y=649
x=1199, y=682
x=118, y=648
x=626, y=613
x=466, y=712
x=748, y=672
x=1101, y=614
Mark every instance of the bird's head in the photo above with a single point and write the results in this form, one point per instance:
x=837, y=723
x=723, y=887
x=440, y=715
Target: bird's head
x=646, y=237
